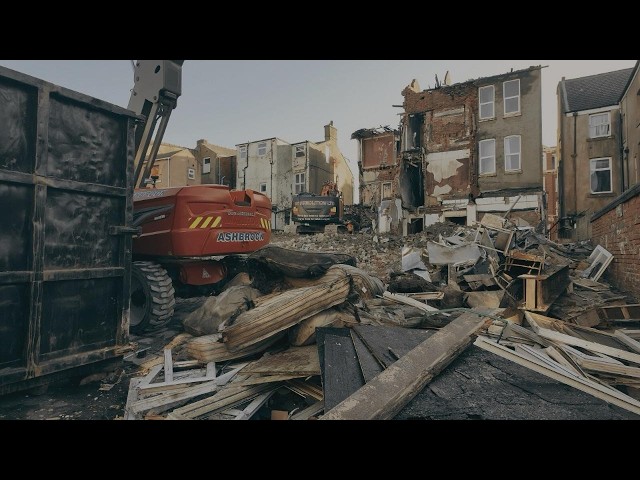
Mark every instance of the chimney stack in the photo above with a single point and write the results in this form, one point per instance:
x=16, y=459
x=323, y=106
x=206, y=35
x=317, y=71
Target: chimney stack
x=330, y=132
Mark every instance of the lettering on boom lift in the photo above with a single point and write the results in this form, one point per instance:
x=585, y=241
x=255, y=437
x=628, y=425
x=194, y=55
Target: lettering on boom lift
x=240, y=237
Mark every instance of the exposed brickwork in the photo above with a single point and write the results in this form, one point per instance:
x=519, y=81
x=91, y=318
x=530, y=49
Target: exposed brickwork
x=448, y=126
x=619, y=232
x=379, y=150
x=444, y=97
x=378, y=164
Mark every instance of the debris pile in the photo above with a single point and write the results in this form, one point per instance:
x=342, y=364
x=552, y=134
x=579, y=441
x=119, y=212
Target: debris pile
x=325, y=337
x=603, y=364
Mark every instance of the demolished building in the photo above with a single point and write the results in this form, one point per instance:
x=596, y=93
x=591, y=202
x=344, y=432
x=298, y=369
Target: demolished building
x=464, y=150
x=378, y=150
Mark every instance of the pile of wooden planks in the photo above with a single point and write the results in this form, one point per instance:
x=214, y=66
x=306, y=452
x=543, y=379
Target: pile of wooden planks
x=603, y=364
x=190, y=390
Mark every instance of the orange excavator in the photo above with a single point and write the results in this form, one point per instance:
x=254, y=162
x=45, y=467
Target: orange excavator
x=185, y=235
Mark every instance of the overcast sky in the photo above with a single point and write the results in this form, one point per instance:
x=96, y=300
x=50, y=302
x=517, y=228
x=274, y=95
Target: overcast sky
x=234, y=101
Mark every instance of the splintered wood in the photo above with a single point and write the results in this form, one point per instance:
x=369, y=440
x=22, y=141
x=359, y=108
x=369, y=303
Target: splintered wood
x=603, y=364
x=191, y=390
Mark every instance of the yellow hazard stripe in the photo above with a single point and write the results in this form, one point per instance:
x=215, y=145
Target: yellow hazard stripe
x=216, y=222
x=196, y=222
x=266, y=224
x=206, y=222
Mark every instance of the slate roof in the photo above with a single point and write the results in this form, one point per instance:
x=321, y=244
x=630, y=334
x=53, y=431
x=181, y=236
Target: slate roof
x=220, y=150
x=594, y=91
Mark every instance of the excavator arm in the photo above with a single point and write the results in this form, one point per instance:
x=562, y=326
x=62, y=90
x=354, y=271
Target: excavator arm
x=157, y=86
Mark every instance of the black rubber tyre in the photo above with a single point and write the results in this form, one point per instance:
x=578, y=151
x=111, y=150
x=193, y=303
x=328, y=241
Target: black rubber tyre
x=152, y=297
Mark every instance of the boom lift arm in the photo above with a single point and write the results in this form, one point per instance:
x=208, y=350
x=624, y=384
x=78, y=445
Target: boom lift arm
x=186, y=231
x=157, y=86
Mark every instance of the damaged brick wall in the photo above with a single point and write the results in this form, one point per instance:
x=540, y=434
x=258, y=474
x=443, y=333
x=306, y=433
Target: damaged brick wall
x=448, y=137
x=378, y=167
x=617, y=228
x=372, y=182
x=379, y=150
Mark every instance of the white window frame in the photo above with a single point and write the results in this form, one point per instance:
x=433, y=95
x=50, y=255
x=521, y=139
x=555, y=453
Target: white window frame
x=505, y=98
x=263, y=187
x=206, y=165
x=486, y=141
x=508, y=153
x=299, y=183
x=492, y=102
x=595, y=130
x=191, y=173
x=592, y=169
x=298, y=149
x=262, y=146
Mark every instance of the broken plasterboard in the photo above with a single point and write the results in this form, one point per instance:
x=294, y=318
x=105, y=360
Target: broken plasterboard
x=412, y=259
x=412, y=262
x=443, y=255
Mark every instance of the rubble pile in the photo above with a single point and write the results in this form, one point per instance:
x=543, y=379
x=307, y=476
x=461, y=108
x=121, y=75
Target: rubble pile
x=377, y=254
x=357, y=316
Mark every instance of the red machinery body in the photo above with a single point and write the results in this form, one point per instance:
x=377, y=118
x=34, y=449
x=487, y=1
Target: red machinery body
x=200, y=221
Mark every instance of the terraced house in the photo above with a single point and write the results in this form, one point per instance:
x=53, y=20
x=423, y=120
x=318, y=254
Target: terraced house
x=590, y=148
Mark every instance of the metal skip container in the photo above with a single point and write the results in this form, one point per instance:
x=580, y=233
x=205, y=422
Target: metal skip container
x=66, y=173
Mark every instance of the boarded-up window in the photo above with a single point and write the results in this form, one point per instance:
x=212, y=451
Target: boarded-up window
x=206, y=165
x=386, y=190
